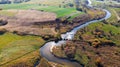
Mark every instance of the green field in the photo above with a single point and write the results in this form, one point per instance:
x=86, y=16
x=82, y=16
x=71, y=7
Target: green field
x=13, y=46
x=50, y=2
x=61, y=12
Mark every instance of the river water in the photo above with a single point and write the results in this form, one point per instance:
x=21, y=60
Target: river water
x=46, y=50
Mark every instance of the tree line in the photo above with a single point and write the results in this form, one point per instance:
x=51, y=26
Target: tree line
x=12, y=1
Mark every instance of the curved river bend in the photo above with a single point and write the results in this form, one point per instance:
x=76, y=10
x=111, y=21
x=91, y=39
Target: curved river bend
x=46, y=50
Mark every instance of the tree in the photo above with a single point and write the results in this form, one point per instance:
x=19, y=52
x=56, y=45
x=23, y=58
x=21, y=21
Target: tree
x=71, y=5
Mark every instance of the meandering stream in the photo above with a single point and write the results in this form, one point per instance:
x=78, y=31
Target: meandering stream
x=46, y=50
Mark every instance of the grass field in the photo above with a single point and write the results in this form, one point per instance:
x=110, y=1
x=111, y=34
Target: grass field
x=60, y=11
x=50, y=2
x=13, y=46
x=25, y=60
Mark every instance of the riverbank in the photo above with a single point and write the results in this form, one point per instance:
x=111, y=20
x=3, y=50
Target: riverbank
x=94, y=45
x=49, y=56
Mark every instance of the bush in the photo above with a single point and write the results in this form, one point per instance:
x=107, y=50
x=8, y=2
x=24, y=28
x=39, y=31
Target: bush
x=2, y=31
x=98, y=62
x=69, y=50
x=0, y=8
x=101, y=42
x=3, y=22
x=99, y=33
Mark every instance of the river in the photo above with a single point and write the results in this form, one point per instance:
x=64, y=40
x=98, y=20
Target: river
x=46, y=50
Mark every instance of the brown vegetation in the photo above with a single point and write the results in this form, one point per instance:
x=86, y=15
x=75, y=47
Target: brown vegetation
x=89, y=56
x=23, y=22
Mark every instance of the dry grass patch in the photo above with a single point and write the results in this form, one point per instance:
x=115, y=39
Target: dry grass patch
x=24, y=20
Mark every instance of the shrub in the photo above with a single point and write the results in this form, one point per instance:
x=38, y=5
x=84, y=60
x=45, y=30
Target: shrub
x=2, y=31
x=99, y=33
x=98, y=62
x=69, y=50
x=0, y=8
x=101, y=42
x=3, y=22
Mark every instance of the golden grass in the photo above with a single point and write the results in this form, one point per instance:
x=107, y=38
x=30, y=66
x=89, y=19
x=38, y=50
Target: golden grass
x=7, y=13
x=27, y=60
